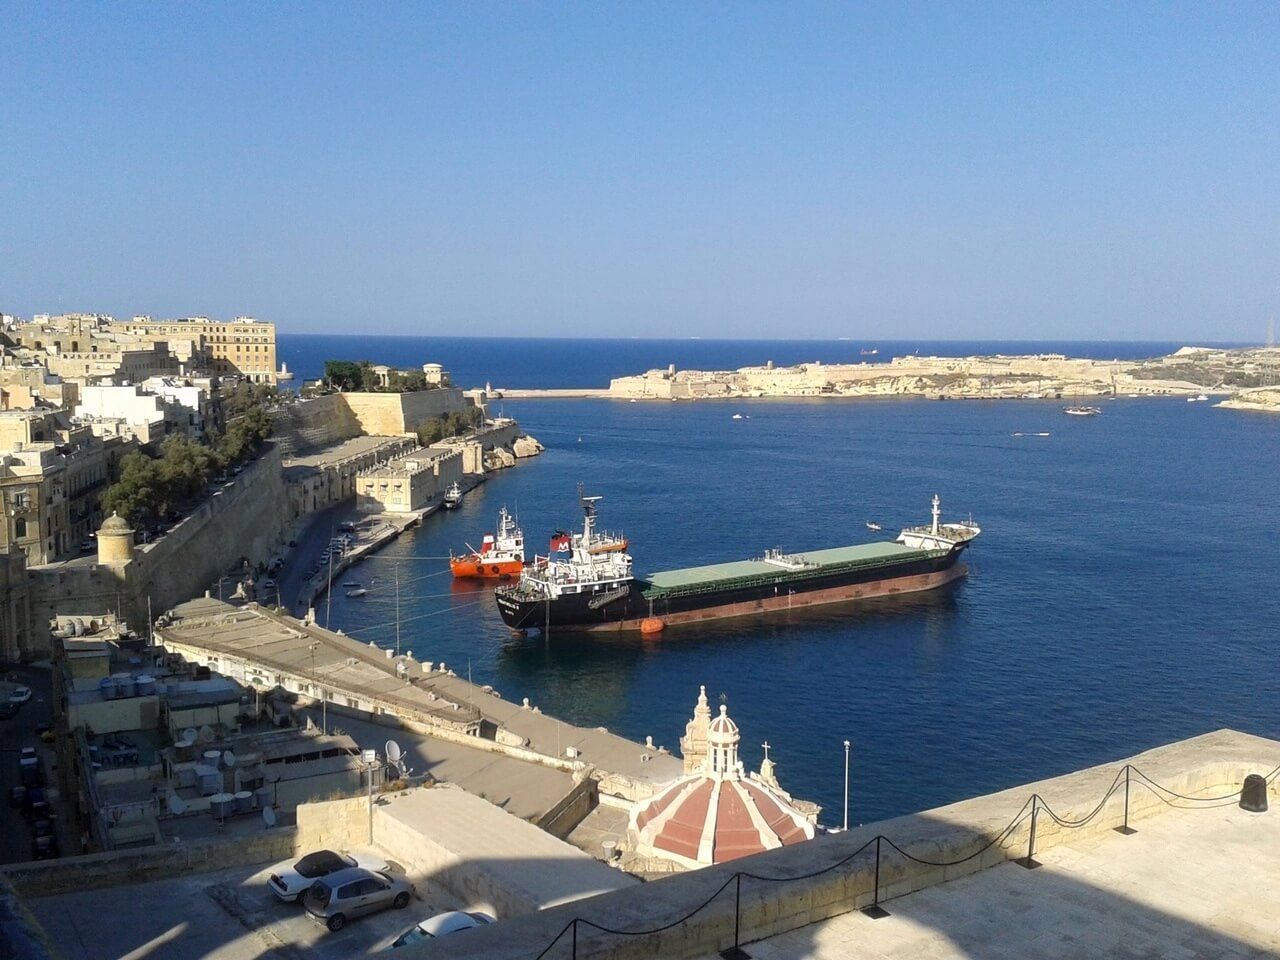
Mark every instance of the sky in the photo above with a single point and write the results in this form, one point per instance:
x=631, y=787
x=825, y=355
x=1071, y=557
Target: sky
x=896, y=170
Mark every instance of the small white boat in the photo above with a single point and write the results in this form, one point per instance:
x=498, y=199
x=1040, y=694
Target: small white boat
x=353, y=585
x=632, y=400
x=737, y=416
x=873, y=526
x=453, y=497
x=1081, y=411
x=357, y=592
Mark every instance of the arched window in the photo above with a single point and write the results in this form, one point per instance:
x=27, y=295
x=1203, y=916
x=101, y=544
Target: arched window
x=19, y=528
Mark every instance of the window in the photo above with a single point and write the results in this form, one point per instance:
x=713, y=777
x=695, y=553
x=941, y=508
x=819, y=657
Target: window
x=19, y=528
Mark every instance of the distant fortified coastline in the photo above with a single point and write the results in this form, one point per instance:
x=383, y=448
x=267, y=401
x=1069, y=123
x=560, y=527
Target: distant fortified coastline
x=1190, y=371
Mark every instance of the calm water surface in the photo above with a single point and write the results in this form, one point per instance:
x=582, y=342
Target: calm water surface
x=1123, y=593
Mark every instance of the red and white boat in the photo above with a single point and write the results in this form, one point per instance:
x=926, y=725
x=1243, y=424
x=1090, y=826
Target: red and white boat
x=500, y=557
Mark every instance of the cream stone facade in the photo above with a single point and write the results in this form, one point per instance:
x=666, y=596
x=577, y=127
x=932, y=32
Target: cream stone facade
x=241, y=347
x=409, y=483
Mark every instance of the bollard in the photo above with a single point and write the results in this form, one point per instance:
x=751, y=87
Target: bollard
x=875, y=911
x=1253, y=795
x=736, y=952
x=1126, y=830
x=1029, y=861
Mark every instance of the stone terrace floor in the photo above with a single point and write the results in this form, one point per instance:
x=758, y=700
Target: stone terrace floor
x=1190, y=884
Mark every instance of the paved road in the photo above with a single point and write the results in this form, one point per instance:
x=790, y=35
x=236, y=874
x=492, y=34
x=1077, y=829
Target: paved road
x=227, y=915
x=322, y=527
x=16, y=733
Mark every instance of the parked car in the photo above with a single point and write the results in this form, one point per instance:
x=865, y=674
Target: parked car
x=354, y=892
x=28, y=758
x=21, y=695
x=441, y=925
x=45, y=848
x=8, y=709
x=18, y=797
x=289, y=881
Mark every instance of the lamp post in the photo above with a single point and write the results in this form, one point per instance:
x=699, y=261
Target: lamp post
x=846, y=785
x=324, y=700
x=370, y=758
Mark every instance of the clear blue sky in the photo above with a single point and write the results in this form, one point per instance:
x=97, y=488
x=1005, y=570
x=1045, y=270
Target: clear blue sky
x=792, y=170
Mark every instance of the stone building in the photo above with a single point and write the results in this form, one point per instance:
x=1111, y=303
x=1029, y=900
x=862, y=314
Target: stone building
x=716, y=812
x=241, y=347
x=409, y=483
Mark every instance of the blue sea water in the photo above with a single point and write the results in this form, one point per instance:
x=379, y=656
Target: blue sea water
x=1123, y=593
x=562, y=363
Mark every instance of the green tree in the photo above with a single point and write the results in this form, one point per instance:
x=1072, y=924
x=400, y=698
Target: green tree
x=346, y=374
x=430, y=431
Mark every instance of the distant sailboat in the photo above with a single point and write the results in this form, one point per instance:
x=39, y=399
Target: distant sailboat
x=873, y=526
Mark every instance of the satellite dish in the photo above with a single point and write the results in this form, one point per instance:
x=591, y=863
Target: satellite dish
x=393, y=752
x=228, y=758
x=177, y=806
x=189, y=735
x=269, y=817
x=206, y=734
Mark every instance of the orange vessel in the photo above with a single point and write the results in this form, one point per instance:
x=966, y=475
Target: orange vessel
x=500, y=556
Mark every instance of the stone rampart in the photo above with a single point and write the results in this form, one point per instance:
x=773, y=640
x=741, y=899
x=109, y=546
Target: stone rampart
x=320, y=422
x=1209, y=766
x=42, y=878
x=246, y=519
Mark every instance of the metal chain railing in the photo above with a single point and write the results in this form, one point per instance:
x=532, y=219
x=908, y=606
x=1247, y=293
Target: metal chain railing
x=1128, y=776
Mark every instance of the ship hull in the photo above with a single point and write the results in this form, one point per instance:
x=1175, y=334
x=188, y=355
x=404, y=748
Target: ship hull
x=478, y=568
x=625, y=611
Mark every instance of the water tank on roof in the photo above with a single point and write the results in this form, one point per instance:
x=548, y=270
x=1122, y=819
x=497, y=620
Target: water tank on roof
x=107, y=687
x=222, y=805
x=124, y=685
x=213, y=758
x=145, y=686
x=244, y=801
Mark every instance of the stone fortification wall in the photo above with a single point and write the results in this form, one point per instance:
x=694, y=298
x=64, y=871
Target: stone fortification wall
x=324, y=421
x=1206, y=766
x=1262, y=399
x=313, y=424
x=246, y=519
x=43, y=878
x=391, y=414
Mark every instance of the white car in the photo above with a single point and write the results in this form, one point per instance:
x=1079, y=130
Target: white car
x=21, y=695
x=441, y=925
x=289, y=881
x=28, y=757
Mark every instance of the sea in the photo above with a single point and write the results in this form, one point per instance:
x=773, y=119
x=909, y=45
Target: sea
x=1124, y=593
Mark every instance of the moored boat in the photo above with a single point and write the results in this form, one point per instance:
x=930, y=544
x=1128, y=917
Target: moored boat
x=1082, y=411
x=501, y=554
x=599, y=592
x=453, y=497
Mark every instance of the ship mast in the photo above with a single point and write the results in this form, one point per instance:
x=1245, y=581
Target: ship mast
x=937, y=513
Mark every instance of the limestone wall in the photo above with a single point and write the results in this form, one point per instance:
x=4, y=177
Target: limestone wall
x=44, y=878
x=248, y=518
x=391, y=414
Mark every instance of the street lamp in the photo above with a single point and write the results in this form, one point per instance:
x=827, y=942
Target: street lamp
x=370, y=758
x=846, y=785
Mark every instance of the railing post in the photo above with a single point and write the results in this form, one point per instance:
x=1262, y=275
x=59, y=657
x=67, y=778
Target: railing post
x=575, y=938
x=1126, y=829
x=1030, y=861
x=875, y=911
x=736, y=952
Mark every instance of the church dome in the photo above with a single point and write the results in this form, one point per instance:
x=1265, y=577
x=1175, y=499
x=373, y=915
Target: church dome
x=717, y=813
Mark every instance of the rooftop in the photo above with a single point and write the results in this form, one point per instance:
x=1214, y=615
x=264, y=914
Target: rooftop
x=285, y=644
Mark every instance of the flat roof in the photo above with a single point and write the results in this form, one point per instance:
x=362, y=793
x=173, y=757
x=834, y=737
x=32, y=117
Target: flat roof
x=687, y=576
x=276, y=641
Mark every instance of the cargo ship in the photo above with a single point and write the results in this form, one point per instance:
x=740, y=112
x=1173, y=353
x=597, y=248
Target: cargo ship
x=501, y=554
x=599, y=592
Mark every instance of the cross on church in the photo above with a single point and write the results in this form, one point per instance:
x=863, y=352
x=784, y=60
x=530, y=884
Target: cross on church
x=766, y=749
